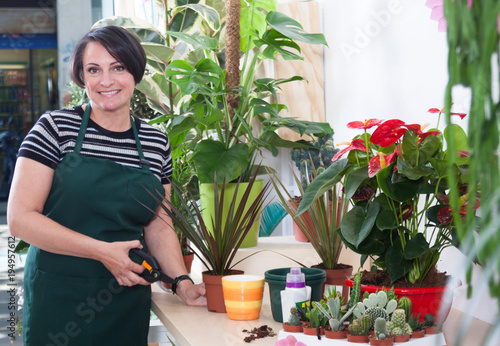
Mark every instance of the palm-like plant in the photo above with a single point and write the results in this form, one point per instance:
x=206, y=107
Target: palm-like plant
x=326, y=214
x=217, y=245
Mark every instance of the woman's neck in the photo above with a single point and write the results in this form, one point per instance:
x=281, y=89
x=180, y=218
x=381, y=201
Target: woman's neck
x=118, y=121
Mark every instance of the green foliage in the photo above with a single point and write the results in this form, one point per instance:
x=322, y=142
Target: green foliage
x=473, y=42
x=393, y=180
x=326, y=215
x=216, y=249
x=318, y=158
x=333, y=312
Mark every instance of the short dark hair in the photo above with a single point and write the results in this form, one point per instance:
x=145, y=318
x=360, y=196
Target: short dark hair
x=120, y=44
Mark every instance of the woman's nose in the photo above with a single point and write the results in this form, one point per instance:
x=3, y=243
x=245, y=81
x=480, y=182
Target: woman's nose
x=107, y=79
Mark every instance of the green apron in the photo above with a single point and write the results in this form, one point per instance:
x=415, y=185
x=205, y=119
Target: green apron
x=77, y=301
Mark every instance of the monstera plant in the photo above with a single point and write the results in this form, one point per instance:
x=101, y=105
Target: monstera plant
x=227, y=124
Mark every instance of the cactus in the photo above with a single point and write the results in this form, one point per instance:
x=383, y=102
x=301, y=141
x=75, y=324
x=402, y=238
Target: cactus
x=380, y=326
x=361, y=325
x=405, y=304
x=376, y=305
x=366, y=323
x=398, y=324
x=294, y=319
x=429, y=320
x=377, y=312
x=315, y=318
x=355, y=294
x=398, y=318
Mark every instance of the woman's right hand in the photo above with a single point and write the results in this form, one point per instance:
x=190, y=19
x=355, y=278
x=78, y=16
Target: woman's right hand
x=116, y=259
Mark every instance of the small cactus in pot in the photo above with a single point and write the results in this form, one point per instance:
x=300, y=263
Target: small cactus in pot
x=294, y=325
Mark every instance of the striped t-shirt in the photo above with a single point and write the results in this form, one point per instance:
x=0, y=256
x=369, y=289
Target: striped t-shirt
x=55, y=133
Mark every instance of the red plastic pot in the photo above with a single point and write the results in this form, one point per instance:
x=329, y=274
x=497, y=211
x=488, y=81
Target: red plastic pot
x=423, y=299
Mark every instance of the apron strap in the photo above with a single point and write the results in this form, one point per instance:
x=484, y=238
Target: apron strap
x=83, y=128
x=81, y=135
x=143, y=161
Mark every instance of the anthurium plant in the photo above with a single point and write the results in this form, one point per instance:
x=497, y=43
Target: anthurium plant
x=397, y=180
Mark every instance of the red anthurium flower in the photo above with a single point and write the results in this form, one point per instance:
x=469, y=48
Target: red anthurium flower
x=436, y=110
x=463, y=153
x=388, y=132
x=364, y=125
x=417, y=128
x=406, y=212
x=378, y=162
x=363, y=193
x=424, y=135
x=356, y=144
x=444, y=215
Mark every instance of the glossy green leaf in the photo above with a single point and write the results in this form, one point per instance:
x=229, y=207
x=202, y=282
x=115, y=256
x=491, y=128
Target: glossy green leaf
x=401, y=190
x=354, y=179
x=322, y=183
x=416, y=247
x=358, y=223
x=211, y=157
x=293, y=29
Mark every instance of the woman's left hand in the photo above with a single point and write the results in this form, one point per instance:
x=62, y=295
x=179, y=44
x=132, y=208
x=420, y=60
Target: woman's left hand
x=191, y=294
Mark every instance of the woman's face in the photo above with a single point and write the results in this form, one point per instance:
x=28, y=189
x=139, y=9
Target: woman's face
x=107, y=82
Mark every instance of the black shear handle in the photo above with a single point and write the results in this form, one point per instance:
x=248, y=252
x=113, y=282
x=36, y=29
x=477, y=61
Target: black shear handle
x=152, y=275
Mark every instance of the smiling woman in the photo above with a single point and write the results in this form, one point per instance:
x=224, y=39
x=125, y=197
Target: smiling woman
x=102, y=157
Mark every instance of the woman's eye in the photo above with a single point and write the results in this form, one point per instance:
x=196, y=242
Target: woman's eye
x=119, y=68
x=92, y=70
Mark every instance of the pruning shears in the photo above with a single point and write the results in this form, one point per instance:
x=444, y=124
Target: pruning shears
x=152, y=270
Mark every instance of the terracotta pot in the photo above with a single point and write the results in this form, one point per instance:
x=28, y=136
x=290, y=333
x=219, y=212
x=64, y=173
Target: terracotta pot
x=306, y=218
x=213, y=286
x=423, y=299
x=337, y=277
x=417, y=334
x=402, y=338
x=339, y=334
x=292, y=329
x=313, y=331
x=432, y=330
x=357, y=338
x=188, y=262
x=376, y=342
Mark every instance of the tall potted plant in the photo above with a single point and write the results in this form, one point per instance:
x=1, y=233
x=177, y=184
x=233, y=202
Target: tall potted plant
x=326, y=214
x=216, y=247
x=397, y=179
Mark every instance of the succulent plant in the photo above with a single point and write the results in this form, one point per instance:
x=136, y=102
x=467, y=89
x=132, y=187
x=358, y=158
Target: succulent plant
x=335, y=318
x=315, y=318
x=376, y=305
x=429, y=320
x=361, y=325
x=405, y=304
x=294, y=319
x=380, y=326
x=398, y=324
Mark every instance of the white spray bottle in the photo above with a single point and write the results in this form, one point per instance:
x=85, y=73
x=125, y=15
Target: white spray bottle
x=295, y=292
